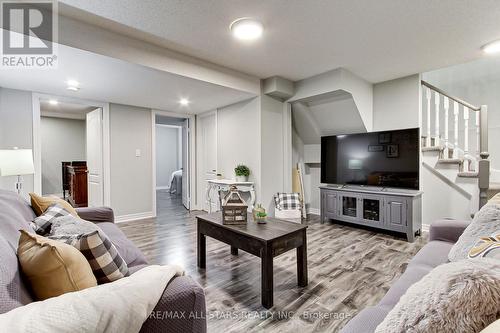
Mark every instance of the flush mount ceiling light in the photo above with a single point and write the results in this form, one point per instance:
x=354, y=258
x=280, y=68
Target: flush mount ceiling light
x=492, y=48
x=246, y=28
x=184, y=101
x=73, y=85
x=53, y=102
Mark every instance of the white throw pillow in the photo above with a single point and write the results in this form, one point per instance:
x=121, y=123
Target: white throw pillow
x=461, y=296
x=485, y=222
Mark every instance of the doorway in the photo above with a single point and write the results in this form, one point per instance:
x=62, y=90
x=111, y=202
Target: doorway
x=70, y=146
x=171, y=163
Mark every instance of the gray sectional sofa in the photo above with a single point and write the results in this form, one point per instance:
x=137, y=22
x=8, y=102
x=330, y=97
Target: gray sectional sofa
x=443, y=234
x=182, y=293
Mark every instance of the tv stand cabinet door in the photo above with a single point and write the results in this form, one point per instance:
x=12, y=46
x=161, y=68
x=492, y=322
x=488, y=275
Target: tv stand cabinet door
x=371, y=210
x=328, y=205
x=349, y=207
x=396, y=217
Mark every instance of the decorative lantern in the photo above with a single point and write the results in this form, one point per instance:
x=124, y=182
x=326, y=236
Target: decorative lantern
x=234, y=208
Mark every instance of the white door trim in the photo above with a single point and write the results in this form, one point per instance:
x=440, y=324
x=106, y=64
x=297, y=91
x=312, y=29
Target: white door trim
x=200, y=172
x=37, y=142
x=191, y=157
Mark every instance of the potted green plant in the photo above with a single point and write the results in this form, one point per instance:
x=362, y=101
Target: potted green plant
x=242, y=172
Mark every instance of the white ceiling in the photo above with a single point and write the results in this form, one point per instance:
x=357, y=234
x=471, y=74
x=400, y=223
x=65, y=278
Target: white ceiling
x=377, y=40
x=64, y=109
x=111, y=80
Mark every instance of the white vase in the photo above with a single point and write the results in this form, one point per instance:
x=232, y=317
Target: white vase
x=241, y=179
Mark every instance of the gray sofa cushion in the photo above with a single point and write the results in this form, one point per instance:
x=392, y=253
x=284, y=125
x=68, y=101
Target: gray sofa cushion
x=432, y=254
x=367, y=320
x=412, y=274
x=15, y=214
x=485, y=222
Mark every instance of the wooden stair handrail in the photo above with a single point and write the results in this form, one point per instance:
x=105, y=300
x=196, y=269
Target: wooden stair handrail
x=456, y=99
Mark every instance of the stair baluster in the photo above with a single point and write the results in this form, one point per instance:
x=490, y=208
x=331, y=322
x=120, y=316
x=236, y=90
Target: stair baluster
x=484, y=163
x=478, y=135
x=467, y=158
x=436, y=121
x=456, y=112
x=446, y=150
x=428, y=95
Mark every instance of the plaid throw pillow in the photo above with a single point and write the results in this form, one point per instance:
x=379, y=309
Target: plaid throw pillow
x=285, y=201
x=43, y=223
x=105, y=261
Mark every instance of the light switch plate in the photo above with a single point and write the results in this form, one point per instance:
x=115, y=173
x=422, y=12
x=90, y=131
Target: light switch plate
x=137, y=153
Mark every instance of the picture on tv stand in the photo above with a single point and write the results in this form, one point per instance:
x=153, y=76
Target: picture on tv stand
x=387, y=159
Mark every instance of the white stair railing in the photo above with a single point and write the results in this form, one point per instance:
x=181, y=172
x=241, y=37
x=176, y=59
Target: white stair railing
x=471, y=161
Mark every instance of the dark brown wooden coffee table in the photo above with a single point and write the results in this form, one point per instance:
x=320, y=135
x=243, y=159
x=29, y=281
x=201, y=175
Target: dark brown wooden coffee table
x=262, y=240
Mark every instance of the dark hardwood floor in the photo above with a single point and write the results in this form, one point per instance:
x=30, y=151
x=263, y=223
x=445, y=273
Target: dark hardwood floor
x=349, y=269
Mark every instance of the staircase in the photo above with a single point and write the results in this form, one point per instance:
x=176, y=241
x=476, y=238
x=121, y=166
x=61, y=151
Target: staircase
x=455, y=144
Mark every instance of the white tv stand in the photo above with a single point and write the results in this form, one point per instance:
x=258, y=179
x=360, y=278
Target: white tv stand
x=386, y=208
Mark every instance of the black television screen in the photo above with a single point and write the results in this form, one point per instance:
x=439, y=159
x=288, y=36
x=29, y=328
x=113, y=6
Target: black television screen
x=388, y=159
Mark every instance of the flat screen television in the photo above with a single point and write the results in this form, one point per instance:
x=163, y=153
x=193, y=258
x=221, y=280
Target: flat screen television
x=387, y=159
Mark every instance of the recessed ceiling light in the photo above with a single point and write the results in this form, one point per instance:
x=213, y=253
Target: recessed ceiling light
x=53, y=102
x=492, y=48
x=246, y=28
x=73, y=85
x=184, y=101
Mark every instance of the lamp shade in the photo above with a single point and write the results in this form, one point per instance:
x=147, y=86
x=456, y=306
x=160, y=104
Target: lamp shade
x=16, y=162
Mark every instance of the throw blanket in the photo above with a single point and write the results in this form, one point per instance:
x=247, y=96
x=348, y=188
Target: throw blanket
x=121, y=306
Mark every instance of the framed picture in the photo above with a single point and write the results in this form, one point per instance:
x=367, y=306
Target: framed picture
x=392, y=151
x=384, y=138
x=375, y=148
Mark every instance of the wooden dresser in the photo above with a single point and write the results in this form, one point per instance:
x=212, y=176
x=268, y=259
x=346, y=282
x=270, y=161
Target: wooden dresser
x=77, y=179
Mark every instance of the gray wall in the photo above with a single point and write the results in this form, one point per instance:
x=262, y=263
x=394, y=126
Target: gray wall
x=131, y=176
x=168, y=148
x=238, y=138
x=396, y=104
x=16, y=126
x=62, y=140
x=272, y=160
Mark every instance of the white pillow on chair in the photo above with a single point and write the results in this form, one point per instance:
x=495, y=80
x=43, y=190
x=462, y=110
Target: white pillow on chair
x=292, y=215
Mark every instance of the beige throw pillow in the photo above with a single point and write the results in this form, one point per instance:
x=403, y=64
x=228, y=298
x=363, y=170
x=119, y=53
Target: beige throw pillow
x=40, y=204
x=52, y=267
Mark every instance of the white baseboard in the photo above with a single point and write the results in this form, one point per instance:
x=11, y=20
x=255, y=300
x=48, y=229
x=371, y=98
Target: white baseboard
x=313, y=211
x=133, y=217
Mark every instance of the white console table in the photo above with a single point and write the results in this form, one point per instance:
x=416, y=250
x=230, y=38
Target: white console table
x=216, y=185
